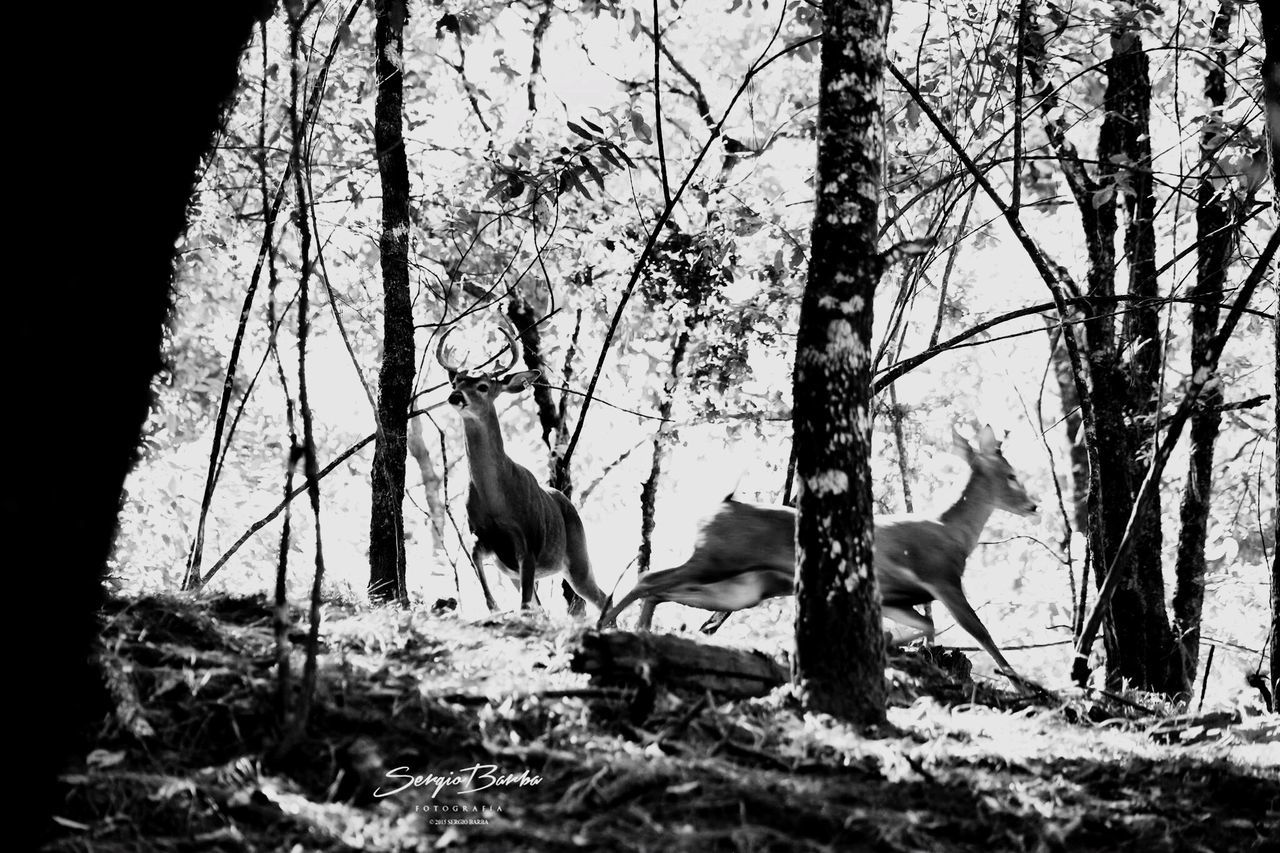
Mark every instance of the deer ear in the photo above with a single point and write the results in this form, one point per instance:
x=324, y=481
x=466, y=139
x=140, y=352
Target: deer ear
x=517, y=382
x=987, y=441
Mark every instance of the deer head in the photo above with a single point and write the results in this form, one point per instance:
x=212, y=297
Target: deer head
x=475, y=389
x=989, y=465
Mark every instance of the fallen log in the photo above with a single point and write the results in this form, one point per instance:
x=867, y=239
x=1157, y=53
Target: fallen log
x=624, y=658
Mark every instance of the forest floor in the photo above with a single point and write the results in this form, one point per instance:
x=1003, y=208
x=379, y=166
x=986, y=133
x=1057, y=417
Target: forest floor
x=182, y=759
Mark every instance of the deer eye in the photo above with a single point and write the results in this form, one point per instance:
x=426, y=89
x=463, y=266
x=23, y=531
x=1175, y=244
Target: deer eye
x=483, y=387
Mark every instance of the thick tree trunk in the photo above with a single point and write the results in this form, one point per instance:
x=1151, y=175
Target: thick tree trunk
x=1138, y=639
x=395, y=379
x=180, y=82
x=1214, y=237
x=839, y=661
x=1137, y=636
x=1146, y=654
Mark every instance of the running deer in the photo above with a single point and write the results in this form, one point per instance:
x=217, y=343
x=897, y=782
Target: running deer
x=745, y=552
x=532, y=531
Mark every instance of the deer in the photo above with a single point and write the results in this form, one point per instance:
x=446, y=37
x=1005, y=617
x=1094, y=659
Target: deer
x=744, y=552
x=531, y=530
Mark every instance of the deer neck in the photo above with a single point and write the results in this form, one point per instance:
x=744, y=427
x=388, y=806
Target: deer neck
x=486, y=455
x=969, y=514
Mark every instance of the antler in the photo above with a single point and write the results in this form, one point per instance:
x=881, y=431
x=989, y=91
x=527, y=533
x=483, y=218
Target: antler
x=513, y=343
x=450, y=366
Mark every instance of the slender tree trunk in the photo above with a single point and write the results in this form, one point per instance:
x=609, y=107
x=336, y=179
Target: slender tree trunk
x=1271, y=94
x=1213, y=239
x=1073, y=424
x=431, y=485
x=552, y=416
x=649, y=491
x=839, y=660
x=525, y=320
x=395, y=379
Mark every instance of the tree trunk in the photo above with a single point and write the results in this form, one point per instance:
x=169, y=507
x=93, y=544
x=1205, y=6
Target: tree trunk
x=839, y=661
x=121, y=325
x=1146, y=654
x=1271, y=94
x=552, y=417
x=1138, y=639
x=1214, y=237
x=431, y=485
x=649, y=491
x=395, y=379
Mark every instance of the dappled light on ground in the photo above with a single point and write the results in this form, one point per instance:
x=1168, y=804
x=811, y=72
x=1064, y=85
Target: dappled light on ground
x=184, y=758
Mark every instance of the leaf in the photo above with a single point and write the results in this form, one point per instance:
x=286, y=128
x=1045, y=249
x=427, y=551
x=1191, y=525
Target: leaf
x=606, y=154
x=577, y=184
x=581, y=131
x=641, y=129
x=1103, y=196
x=591, y=124
x=594, y=173
x=631, y=163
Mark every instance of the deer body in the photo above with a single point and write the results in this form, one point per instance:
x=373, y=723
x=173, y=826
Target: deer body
x=745, y=553
x=532, y=531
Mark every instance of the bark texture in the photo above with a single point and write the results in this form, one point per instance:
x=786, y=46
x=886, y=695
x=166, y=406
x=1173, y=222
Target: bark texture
x=1138, y=637
x=553, y=416
x=1123, y=363
x=1214, y=227
x=395, y=379
x=1271, y=94
x=839, y=661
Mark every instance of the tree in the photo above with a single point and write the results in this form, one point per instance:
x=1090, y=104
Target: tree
x=395, y=379
x=181, y=81
x=1138, y=638
x=839, y=661
x=1215, y=227
x=1271, y=97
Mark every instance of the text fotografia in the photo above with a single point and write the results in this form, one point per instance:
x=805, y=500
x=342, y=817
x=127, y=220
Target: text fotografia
x=468, y=780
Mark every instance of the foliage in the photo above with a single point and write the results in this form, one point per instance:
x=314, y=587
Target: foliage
x=556, y=203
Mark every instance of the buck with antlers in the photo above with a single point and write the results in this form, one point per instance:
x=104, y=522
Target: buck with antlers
x=745, y=552
x=532, y=531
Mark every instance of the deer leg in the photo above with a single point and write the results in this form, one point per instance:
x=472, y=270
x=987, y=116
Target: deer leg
x=953, y=598
x=528, y=592
x=714, y=622
x=578, y=567
x=646, y=613
x=577, y=604
x=477, y=562
x=910, y=617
